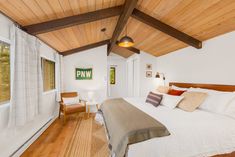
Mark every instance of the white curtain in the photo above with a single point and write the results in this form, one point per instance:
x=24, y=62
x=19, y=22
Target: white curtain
x=59, y=77
x=27, y=78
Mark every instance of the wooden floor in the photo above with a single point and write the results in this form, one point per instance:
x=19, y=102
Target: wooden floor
x=79, y=137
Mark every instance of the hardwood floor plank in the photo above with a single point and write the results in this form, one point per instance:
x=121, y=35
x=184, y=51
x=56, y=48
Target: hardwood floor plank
x=80, y=137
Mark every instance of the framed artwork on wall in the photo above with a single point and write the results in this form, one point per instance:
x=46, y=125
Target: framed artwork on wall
x=148, y=74
x=112, y=77
x=83, y=73
x=148, y=66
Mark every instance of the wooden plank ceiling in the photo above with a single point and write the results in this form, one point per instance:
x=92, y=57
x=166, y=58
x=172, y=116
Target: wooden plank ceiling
x=201, y=19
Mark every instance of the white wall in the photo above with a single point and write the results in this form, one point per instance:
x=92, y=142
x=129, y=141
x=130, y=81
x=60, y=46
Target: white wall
x=49, y=105
x=144, y=84
x=96, y=58
x=119, y=89
x=147, y=84
x=214, y=63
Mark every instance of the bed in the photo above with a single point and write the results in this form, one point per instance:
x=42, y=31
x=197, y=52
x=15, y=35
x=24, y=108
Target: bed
x=192, y=134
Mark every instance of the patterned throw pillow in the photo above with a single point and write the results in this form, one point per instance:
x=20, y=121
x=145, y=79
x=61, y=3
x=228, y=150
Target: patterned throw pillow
x=154, y=99
x=175, y=92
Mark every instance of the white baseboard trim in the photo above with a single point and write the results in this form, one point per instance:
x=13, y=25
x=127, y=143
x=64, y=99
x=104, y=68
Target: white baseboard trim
x=22, y=148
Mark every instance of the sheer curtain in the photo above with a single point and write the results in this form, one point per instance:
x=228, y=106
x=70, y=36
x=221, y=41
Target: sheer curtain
x=27, y=78
x=59, y=76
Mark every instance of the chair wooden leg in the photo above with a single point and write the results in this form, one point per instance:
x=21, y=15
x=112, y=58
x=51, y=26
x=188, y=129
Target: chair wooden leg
x=88, y=111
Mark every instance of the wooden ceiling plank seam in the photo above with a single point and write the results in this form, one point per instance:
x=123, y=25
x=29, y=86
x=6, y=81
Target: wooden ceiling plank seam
x=194, y=8
x=3, y=10
x=72, y=30
x=211, y=12
x=56, y=7
x=17, y=12
x=35, y=9
x=166, y=29
x=86, y=47
x=229, y=12
x=44, y=5
x=128, y=8
x=72, y=20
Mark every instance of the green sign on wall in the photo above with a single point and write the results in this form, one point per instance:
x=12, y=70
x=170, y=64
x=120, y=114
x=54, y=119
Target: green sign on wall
x=83, y=74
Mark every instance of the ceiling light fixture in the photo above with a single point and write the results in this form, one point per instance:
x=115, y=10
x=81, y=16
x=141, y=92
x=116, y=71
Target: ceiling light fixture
x=126, y=41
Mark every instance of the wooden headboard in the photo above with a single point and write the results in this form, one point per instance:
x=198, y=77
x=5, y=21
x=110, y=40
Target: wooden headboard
x=227, y=88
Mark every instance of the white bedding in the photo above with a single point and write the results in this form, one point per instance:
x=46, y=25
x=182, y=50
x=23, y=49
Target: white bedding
x=193, y=134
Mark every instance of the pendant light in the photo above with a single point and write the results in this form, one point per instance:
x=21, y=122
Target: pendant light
x=126, y=41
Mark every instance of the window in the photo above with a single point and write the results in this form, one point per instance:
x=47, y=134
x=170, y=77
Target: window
x=48, y=70
x=5, y=89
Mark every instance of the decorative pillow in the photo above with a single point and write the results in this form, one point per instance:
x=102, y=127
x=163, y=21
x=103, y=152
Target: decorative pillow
x=178, y=88
x=163, y=89
x=71, y=101
x=192, y=100
x=154, y=99
x=216, y=101
x=230, y=110
x=175, y=92
x=171, y=101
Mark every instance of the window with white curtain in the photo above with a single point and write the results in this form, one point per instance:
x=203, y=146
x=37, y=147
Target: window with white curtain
x=48, y=71
x=4, y=72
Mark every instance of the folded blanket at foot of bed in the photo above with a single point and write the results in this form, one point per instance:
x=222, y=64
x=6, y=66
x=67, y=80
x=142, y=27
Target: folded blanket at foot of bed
x=127, y=124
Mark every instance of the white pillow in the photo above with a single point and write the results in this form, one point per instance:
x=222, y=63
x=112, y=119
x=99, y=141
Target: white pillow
x=230, y=110
x=178, y=88
x=71, y=101
x=171, y=101
x=216, y=101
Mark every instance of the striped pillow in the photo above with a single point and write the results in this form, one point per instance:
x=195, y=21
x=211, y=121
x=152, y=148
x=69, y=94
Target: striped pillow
x=154, y=99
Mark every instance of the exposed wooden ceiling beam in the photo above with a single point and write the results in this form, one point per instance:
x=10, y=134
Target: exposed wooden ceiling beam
x=94, y=45
x=73, y=20
x=166, y=29
x=83, y=48
x=127, y=11
x=121, y=51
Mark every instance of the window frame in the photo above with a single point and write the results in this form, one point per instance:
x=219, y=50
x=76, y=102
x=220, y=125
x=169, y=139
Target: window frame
x=7, y=41
x=42, y=69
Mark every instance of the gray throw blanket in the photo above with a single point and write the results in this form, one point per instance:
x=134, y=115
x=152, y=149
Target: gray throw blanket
x=127, y=124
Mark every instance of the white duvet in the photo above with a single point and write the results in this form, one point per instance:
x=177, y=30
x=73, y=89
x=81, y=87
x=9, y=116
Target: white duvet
x=193, y=134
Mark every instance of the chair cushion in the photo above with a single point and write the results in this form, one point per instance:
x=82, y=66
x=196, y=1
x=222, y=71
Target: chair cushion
x=75, y=108
x=70, y=100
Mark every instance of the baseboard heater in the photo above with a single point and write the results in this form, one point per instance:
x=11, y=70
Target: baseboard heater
x=15, y=152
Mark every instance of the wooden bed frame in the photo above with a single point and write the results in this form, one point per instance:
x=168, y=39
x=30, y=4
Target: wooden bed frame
x=227, y=88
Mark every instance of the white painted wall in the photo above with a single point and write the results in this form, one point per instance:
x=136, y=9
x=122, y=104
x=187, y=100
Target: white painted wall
x=214, y=63
x=47, y=108
x=144, y=84
x=96, y=58
x=147, y=84
x=119, y=89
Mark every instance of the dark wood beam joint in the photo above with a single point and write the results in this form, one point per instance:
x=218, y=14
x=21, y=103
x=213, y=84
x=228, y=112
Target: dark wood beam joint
x=128, y=8
x=48, y=26
x=166, y=29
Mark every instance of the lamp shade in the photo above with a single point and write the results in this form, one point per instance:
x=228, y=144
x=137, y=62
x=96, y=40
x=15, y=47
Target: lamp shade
x=126, y=42
x=157, y=75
